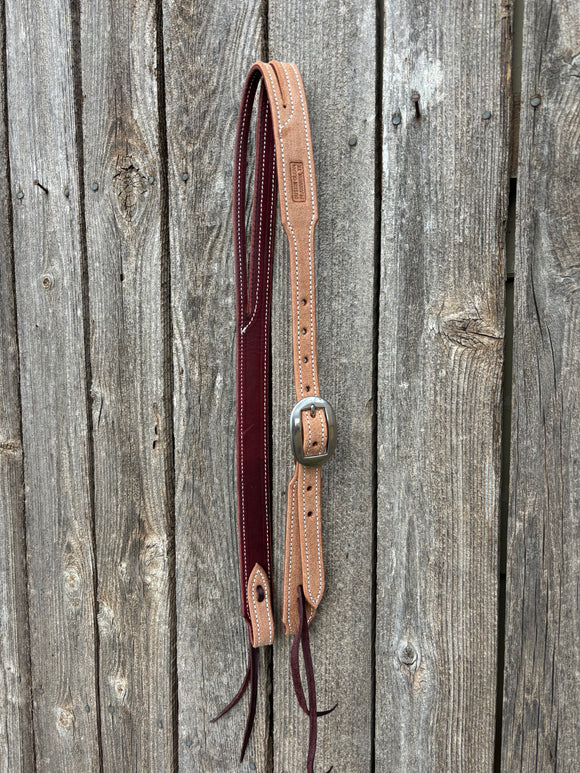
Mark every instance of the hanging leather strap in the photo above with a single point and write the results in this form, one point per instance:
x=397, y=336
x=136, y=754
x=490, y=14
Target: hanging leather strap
x=283, y=159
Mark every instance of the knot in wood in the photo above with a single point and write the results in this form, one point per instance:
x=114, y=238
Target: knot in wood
x=120, y=687
x=11, y=446
x=408, y=655
x=470, y=330
x=47, y=281
x=65, y=720
x=129, y=184
x=72, y=577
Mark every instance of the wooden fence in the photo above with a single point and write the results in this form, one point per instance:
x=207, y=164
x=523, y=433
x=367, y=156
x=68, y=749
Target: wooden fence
x=450, y=629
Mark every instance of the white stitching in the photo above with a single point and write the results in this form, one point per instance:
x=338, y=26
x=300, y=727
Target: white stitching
x=243, y=330
x=239, y=200
x=243, y=128
x=310, y=229
x=309, y=434
x=315, y=386
x=316, y=514
x=257, y=291
x=266, y=315
x=290, y=555
x=280, y=127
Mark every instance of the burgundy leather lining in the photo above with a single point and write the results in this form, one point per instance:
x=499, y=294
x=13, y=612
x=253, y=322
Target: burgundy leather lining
x=252, y=347
x=253, y=295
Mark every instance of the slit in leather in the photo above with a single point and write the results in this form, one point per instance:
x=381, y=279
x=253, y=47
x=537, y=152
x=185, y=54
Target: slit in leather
x=281, y=78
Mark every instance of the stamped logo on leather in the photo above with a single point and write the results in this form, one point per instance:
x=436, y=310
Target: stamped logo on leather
x=297, y=177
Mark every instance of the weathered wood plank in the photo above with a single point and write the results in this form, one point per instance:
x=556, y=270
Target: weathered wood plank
x=208, y=49
x=130, y=402
x=333, y=44
x=541, y=725
x=444, y=206
x=16, y=739
x=47, y=255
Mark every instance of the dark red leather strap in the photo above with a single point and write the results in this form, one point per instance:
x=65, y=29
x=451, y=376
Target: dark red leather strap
x=253, y=293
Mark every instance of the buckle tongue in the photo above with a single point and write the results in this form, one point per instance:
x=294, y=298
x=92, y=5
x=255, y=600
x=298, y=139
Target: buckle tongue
x=311, y=403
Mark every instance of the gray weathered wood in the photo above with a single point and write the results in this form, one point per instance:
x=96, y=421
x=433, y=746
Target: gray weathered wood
x=439, y=383
x=333, y=44
x=131, y=416
x=208, y=48
x=47, y=256
x=541, y=725
x=16, y=739
x=117, y=318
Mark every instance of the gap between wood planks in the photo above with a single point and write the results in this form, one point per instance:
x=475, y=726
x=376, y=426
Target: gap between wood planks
x=516, y=67
x=168, y=386
x=75, y=15
x=379, y=54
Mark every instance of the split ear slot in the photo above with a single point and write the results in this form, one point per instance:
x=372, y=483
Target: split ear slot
x=280, y=78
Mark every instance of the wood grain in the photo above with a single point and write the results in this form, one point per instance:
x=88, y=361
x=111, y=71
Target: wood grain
x=16, y=738
x=333, y=45
x=49, y=302
x=541, y=726
x=120, y=625
x=131, y=417
x=208, y=49
x=444, y=204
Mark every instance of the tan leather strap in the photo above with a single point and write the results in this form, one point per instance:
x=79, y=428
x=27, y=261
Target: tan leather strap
x=303, y=564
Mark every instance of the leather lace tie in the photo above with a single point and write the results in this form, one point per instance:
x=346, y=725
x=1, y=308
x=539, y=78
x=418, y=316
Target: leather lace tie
x=284, y=160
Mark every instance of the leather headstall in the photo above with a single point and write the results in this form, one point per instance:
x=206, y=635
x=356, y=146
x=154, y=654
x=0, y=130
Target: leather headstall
x=283, y=159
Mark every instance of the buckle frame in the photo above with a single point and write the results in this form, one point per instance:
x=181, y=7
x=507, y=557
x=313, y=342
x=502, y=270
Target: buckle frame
x=296, y=431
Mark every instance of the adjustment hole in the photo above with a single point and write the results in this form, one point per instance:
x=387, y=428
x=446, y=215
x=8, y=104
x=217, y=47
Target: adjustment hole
x=303, y=331
x=309, y=513
x=305, y=359
x=308, y=488
x=315, y=443
x=307, y=388
x=260, y=593
x=303, y=301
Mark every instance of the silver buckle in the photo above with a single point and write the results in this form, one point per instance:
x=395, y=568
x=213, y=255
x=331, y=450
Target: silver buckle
x=311, y=403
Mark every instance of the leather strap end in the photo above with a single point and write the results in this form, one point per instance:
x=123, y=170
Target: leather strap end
x=310, y=526
x=260, y=606
x=293, y=566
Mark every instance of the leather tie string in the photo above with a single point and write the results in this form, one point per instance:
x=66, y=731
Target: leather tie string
x=283, y=161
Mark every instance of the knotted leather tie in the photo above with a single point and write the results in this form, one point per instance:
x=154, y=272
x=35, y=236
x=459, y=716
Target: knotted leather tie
x=283, y=158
